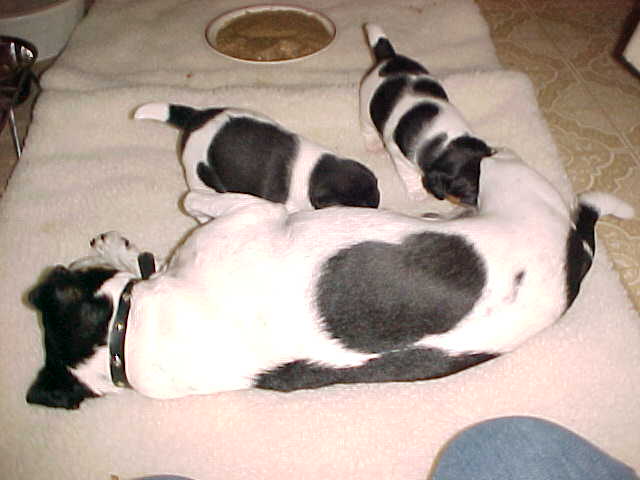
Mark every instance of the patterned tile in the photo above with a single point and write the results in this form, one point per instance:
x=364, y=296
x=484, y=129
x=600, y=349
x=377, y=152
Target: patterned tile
x=589, y=99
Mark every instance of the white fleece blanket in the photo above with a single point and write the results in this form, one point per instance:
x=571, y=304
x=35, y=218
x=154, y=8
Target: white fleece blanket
x=88, y=167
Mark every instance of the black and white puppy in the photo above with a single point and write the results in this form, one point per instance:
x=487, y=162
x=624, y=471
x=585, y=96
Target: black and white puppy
x=406, y=110
x=261, y=297
x=237, y=151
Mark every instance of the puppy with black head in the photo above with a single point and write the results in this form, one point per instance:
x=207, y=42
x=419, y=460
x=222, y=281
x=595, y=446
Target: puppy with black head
x=234, y=151
x=406, y=110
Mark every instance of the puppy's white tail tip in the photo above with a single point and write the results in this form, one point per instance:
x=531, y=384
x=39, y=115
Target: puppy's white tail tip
x=152, y=111
x=374, y=33
x=607, y=204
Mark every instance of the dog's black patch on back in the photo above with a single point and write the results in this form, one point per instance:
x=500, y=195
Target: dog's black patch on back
x=579, y=259
x=412, y=123
x=190, y=119
x=402, y=65
x=342, y=181
x=384, y=101
x=249, y=156
x=377, y=296
x=431, y=88
x=399, y=366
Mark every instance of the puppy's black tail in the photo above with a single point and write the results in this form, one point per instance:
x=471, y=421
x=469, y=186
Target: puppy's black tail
x=181, y=116
x=379, y=43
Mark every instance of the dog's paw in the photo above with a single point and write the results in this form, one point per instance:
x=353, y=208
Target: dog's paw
x=109, y=242
x=196, y=204
x=117, y=250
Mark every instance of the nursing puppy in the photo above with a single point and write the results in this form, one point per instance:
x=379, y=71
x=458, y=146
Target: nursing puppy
x=260, y=297
x=406, y=110
x=238, y=151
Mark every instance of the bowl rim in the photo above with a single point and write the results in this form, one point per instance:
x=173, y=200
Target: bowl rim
x=216, y=23
x=33, y=11
x=23, y=43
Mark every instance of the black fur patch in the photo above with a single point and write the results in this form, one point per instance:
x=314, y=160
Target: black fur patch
x=75, y=320
x=147, y=264
x=341, y=181
x=400, y=366
x=412, y=123
x=249, y=156
x=384, y=101
x=431, y=88
x=189, y=119
x=56, y=387
x=402, y=65
x=579, y=260
x=383, y=50
x=454, y=171
x=429, y=150
x=75, y=323
x=376, y=296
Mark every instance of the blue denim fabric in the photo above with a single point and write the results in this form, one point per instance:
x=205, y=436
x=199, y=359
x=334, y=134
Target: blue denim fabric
x=517, y=448
x=525, y=448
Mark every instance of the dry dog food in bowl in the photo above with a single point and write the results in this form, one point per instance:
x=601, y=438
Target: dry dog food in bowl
x=270, y=33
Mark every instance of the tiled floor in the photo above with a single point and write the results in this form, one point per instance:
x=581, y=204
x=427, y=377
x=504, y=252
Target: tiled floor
x=570, y=49
x=590, y=100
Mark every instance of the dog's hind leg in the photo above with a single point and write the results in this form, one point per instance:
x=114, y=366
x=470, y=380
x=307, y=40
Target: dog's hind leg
x=407, y=365
x=205, y=205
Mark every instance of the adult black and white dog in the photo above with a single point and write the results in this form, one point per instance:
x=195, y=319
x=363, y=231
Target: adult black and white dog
x=406, y=110
x=236, y=151
x=260, y=297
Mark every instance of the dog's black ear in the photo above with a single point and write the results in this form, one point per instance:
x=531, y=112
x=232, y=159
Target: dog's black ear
x=342, y=181
x=56, y=387
x=147, y=264
x=456, y=172
x=48, y=290
x=466, y=184
x=437, y=183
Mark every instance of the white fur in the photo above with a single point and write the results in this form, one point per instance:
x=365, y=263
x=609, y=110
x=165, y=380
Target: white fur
x=237, y=298
x=607, y=204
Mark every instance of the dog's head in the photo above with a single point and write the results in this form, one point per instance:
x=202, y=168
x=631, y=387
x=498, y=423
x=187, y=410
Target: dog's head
x=341, y=181
x=455, y=173
x=75, y=321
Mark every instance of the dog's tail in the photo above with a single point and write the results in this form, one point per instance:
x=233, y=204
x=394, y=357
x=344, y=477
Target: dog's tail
x=582, y=243
x=181, y=116
x=379, y=43
x=592, y=206
x=606, y=204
